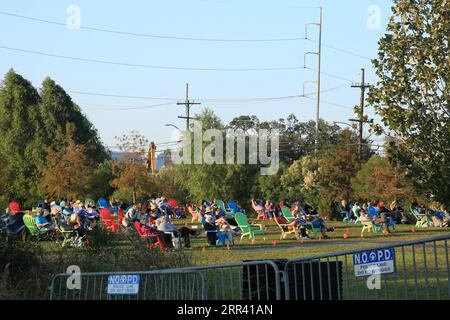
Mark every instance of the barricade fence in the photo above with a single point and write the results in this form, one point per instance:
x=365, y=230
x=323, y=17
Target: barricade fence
x=416, y=269
x=241, y=281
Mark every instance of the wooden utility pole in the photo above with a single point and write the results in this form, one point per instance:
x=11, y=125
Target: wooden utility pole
x=363, y=86
x=187, y=103
x=151, y=158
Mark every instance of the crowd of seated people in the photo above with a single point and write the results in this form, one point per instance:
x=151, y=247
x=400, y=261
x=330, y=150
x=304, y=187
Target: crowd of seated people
x=386, y=217
x=153, y=217
x=52, y=218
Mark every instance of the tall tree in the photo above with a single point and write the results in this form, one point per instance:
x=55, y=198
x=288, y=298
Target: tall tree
x=133, y=180
x=56, y=110
x=379, y=180
x=412, y=95
x=68, y=171
x=18, y=103
x=336, y=168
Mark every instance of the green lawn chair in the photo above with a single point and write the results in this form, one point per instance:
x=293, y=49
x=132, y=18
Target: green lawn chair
x=316, y=231
x=65, y=231
x=30, y=224
x=422, y=220
x=287, y=214
x=221, y=205
x=248, y=230
x=89, y=201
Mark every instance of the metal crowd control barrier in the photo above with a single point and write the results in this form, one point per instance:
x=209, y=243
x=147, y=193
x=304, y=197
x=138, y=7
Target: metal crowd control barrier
x=256, y=280
x=418, y=269
x=153, y=285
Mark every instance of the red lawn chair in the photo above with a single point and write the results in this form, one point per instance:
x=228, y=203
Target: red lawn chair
x=111, y=224
x=146, y=237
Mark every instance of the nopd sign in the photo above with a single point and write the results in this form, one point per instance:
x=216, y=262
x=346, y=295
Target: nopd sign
x=123, y=284
x=368, y=262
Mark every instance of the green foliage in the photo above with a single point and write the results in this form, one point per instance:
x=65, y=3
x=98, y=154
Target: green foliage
x=379, y=180
x=100, y=181
x=412, y=94
x=132, y=178
x=270, y=187
x=30, y=123
x=18, y=108
x=336, y=168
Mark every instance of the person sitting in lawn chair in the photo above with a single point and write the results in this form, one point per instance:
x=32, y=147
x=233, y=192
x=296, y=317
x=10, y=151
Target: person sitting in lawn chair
x=225, y=231
x=270, y=209
x=169, y=231
x=259, y=209
x=440, y=218
x=377, y=220
x=210, y=229
x=345, y=211
x=298, y=223
x=131, y=215
x=318, y=223
x=41, y=222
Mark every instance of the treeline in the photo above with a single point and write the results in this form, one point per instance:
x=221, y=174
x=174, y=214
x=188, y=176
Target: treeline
x=49, y=149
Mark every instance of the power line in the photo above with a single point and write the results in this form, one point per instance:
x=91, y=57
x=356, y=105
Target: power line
x=138, y=34
x=111, y=108
x=341, y=50
x=147, y=35
x=125, y=64
x=215, y=100
x=333, y=104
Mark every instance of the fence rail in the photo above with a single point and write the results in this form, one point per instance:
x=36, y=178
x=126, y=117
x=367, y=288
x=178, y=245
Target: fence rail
x=419, y=270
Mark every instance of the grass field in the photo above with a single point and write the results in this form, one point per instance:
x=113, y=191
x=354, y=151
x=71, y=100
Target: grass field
x=290, y=248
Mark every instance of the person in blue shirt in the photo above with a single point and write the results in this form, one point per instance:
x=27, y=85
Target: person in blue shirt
x=41, y=222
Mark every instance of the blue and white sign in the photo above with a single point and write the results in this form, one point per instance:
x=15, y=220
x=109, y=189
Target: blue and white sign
x=374, y=262
x=124, y=284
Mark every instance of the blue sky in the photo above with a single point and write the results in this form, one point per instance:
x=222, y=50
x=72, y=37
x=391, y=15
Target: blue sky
x=344, y=26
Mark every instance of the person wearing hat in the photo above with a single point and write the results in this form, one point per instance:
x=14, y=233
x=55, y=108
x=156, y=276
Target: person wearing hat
x=15, y=222
x=209, y=212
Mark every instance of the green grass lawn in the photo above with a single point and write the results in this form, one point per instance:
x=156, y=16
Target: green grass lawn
x=422, y=275
x=290, y=248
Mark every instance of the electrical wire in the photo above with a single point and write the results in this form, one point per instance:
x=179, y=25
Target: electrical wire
x=135, y=65
x=146, y=35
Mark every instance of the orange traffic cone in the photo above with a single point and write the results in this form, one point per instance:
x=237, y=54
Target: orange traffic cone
x=274, y=242
x=253, y=241
x=413, y=230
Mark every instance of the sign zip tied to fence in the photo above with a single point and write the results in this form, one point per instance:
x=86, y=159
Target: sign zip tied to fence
x=257, y=280
x=416, y=269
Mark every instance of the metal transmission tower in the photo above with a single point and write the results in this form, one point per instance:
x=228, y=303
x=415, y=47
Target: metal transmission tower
x=319, y=56
x=363, y=86
x=187, y=103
